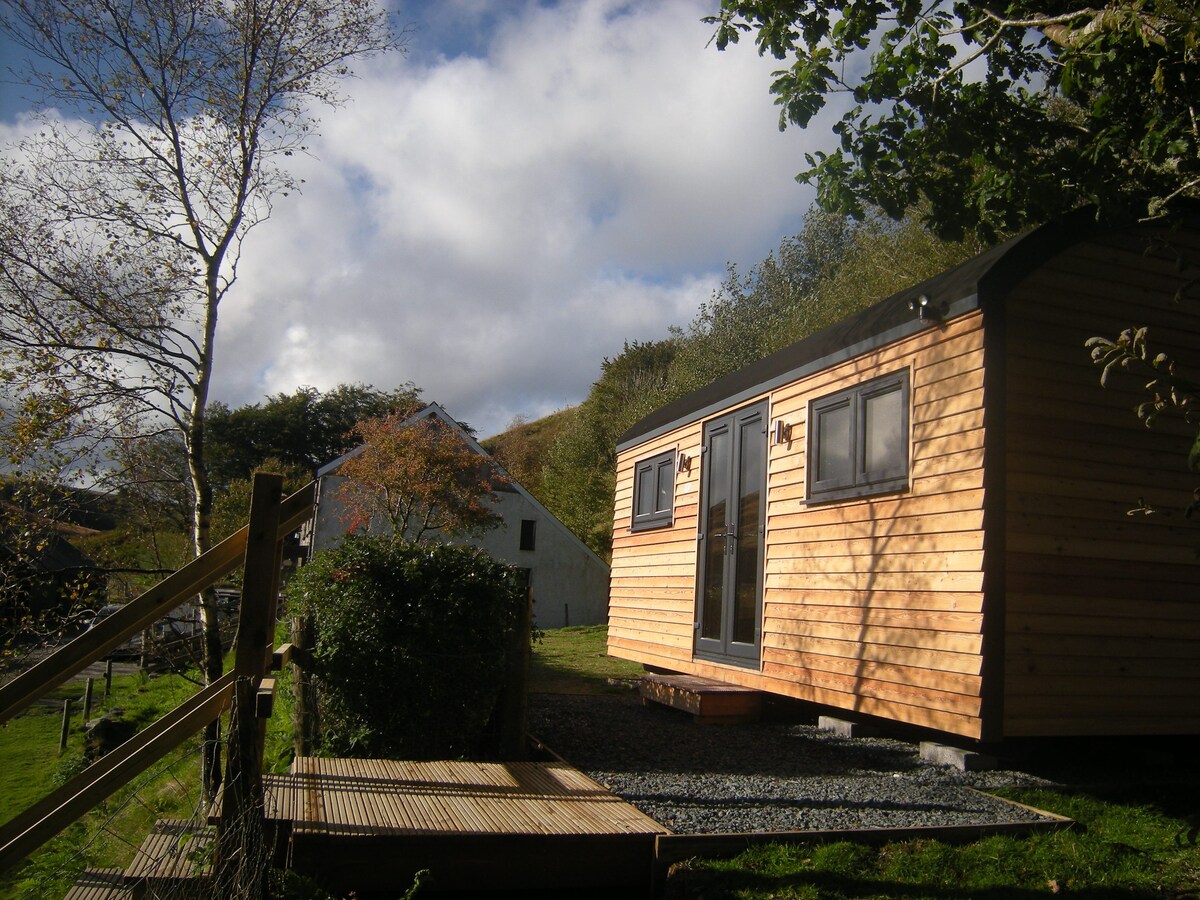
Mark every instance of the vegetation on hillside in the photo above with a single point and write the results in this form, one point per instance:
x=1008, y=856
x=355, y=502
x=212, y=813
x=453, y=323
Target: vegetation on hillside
x=833, y=268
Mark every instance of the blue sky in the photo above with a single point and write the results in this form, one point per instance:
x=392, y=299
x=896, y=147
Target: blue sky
x=497, y=211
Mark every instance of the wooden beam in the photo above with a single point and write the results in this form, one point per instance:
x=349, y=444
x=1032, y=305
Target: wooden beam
x=282, y=655
x=256, y=614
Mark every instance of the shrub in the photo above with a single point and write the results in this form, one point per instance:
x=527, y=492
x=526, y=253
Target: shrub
x=410, y=649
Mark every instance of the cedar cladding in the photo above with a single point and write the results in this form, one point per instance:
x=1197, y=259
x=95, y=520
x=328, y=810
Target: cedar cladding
x=869, y=605
x=1086, y=621
x=1103, y=618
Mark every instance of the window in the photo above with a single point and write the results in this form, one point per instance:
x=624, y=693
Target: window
x=858, y=440
x=528, y=534
x=654, y=491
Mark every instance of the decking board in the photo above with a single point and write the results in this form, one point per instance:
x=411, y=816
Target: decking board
x=369, y=824
x=400, y=797
x=100, y=884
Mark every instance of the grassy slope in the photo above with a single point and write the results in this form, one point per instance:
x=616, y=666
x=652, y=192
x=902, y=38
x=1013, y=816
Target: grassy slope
x=32, y=767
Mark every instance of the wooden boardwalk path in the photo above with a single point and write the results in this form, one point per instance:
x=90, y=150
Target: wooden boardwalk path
x=370, y=824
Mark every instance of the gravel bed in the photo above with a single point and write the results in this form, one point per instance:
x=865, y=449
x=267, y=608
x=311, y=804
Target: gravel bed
x=698, y=779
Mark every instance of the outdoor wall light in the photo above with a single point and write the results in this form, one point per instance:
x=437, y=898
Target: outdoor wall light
x=926, y=309
x=783, y=432
x=683, y=463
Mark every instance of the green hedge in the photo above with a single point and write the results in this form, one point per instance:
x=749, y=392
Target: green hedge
x=410, y=649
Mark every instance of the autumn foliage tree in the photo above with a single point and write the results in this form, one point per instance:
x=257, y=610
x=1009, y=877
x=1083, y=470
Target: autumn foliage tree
x=418, y=477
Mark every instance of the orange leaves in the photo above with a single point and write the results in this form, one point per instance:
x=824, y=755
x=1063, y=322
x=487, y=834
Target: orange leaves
x=417, y=476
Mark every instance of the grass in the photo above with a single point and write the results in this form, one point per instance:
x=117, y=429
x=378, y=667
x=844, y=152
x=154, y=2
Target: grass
x=1130, y=842
x=31, y=767
x=1117, y=850
x=575, y=661
x=106, y=836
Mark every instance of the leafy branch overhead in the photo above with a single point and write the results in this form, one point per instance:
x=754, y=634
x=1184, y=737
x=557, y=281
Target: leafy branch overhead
x=997, y=115
x=992, y=117
x=1168, y=390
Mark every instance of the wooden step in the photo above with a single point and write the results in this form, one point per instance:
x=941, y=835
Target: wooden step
x=175, y=859
x=709, y=702
x=369, y=825
x=100, y=884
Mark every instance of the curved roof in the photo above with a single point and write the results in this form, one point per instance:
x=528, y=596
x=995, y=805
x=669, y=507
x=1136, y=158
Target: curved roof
x=967, y=286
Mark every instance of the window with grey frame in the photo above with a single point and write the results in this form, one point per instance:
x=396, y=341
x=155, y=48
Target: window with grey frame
x=858, y=440
x=654, y=491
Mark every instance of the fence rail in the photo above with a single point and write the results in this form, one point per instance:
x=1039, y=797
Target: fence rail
x=270, y=522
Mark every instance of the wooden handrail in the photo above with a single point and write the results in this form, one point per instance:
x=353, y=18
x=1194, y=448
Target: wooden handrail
x=140, y=613
x=30, y=829
x=36, y=825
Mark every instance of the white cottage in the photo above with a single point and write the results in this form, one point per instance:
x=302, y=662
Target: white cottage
x=568, y=582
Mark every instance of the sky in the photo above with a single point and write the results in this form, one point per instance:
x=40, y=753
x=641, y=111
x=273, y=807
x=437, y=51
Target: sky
x=493, y=213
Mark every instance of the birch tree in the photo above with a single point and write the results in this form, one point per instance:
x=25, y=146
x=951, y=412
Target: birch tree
x=165, y=126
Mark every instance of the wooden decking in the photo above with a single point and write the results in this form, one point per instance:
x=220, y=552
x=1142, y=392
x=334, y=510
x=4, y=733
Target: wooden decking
x=100, y=884
x=369, y=825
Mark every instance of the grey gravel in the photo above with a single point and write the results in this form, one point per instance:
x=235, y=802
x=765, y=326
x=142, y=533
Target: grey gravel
x=768, y=776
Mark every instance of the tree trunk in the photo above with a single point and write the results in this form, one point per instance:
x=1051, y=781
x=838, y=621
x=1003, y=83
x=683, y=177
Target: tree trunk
x=212, y=661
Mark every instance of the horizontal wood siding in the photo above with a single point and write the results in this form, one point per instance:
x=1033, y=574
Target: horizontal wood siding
x=871, y=606
x=652, y=592
x=1103, y=623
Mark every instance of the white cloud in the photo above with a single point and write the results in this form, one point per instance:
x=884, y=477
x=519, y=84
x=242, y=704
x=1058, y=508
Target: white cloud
x=494, y=214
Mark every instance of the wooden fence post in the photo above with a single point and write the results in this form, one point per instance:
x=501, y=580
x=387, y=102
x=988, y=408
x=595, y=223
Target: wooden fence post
x=511, y=704
x=87, y=699
x=66, y=727
x=304, y=710
x=260, y=583
x=107, y=678
x=243, y=857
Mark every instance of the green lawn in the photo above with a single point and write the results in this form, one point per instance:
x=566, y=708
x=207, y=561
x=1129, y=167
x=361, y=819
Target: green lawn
x=576, y=661
x=1117, y=850
x=31, y=766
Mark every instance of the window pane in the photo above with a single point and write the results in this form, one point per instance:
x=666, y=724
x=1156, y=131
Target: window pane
x=833, y=444
x=528, y=534
x=666, y=485
x=750, y=479
x=883, y=446
x=645, y=491
x=716, y=546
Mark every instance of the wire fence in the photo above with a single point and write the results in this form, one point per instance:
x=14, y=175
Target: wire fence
x=155, y=835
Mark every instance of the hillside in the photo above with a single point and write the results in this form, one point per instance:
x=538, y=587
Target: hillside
x=524, y=447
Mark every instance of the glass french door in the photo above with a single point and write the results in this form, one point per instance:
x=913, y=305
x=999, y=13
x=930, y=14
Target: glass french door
x=729, y=586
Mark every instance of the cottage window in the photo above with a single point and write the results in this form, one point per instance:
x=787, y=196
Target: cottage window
x=529, y=534
x=654, y=491
x=858, y=440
